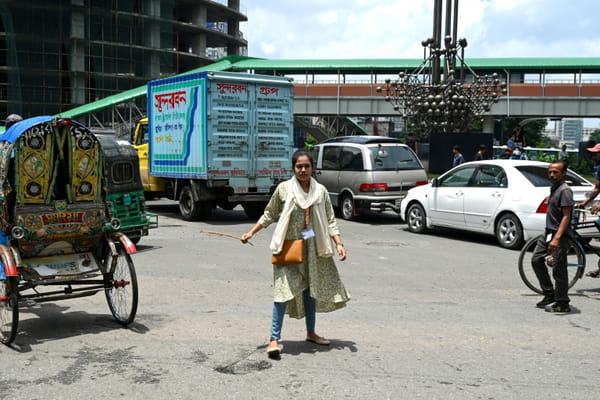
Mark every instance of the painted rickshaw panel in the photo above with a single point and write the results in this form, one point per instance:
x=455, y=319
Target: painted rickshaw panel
x=57, y=197
x=58, y=190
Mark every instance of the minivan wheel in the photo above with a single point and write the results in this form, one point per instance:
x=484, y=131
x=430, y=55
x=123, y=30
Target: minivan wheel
x=509, y=232
x=347, y=207
x=415, y=218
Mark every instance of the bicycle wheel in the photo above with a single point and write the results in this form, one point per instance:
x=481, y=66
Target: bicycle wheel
x=121, y=287
x=575, y=264
x=9, y=310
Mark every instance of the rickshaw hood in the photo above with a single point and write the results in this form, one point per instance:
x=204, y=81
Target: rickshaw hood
x=13, y=133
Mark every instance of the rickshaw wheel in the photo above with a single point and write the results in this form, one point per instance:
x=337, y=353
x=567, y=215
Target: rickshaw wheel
x=9, y=310
x=121, y=289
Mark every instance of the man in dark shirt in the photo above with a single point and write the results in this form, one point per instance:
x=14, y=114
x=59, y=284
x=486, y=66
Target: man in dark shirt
x=412, y=143
x=519, y=136
x=553, y=247
x=480, y=155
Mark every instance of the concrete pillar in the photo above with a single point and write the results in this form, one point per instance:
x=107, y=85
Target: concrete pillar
x=233, y=27
x=198, y=44
x=152, y=8
x=77, y=50
x=488, y=125
x=234, y=4
x=152, y=40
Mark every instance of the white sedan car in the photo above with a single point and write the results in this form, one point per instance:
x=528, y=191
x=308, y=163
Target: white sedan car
x=505, y=198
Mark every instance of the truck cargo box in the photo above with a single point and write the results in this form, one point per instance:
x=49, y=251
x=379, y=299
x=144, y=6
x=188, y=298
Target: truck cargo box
x=222, y=126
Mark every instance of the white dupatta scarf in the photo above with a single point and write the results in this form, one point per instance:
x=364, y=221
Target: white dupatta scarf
x=297, y=196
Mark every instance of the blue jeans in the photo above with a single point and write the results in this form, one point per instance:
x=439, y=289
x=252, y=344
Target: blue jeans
x=279, y=312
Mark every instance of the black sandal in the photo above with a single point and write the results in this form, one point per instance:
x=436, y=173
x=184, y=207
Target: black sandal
x=593, y=274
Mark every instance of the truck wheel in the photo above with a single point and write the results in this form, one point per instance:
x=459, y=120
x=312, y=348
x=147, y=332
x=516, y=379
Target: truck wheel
x=189, y=209
x=255, y=209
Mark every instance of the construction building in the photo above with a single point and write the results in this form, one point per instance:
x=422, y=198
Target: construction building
x=55, y=55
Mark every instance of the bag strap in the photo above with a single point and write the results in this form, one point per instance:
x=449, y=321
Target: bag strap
x=306, y=217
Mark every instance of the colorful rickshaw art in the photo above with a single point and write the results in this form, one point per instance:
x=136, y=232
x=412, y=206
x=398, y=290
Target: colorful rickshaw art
x=58, y=239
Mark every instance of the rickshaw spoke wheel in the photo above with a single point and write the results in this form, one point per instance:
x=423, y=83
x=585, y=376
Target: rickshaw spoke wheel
x=121, y=289
x=9, y=310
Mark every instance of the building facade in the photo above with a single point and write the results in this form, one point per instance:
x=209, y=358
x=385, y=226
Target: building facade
x=571, y=131
x=64, y=53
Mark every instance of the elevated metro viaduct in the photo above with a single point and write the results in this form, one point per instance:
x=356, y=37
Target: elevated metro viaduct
x=537, y=87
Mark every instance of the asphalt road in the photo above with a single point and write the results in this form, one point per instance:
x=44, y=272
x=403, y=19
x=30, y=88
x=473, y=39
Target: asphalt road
x=442, y=316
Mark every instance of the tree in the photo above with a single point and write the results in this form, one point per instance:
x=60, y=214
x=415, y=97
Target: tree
x=595, y=136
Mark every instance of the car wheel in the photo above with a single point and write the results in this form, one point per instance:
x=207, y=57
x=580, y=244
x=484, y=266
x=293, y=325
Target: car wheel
x=347, y=207
x=415, y=218
x=509, y=231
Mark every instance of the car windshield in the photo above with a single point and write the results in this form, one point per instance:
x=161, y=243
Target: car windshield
x=538, y=176
x=393, y=158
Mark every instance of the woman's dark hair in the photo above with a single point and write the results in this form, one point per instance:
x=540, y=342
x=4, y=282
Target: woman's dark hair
x=300, y=153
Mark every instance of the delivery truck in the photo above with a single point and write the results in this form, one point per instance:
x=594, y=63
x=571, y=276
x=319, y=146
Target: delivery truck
x=216, y=139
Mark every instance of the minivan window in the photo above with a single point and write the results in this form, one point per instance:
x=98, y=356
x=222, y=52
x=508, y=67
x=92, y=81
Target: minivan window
x=538, y=176
x=352, y=159
x=331, y=157
x=393, y=158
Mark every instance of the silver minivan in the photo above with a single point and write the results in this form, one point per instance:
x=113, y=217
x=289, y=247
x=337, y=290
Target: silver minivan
x=367, y=172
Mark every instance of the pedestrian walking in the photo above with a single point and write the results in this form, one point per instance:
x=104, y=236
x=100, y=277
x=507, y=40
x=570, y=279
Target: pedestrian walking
x=457, y=157
x=412, y=143
x=553, y=247
x=305, y=212
x=563, y=154
x=480, y=155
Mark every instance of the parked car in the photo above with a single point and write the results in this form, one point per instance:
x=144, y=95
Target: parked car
x=367, y=172
x=505, y=198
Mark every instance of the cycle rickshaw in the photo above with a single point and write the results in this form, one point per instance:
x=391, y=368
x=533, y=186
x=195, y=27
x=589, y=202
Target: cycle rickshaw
x=58, y=239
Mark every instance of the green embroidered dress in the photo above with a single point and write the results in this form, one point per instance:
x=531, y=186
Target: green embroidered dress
x=317, y=273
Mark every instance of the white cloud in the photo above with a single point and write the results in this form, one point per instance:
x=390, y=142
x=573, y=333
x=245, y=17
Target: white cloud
x=395, y=28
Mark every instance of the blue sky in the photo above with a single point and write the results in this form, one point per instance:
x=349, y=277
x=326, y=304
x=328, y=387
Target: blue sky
x=336, y=29
x=394, y=28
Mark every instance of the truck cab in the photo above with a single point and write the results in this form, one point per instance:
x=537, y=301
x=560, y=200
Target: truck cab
x=153, y=186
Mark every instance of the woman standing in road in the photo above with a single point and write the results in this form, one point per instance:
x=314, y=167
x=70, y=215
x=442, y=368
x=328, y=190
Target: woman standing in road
x=305, y=212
